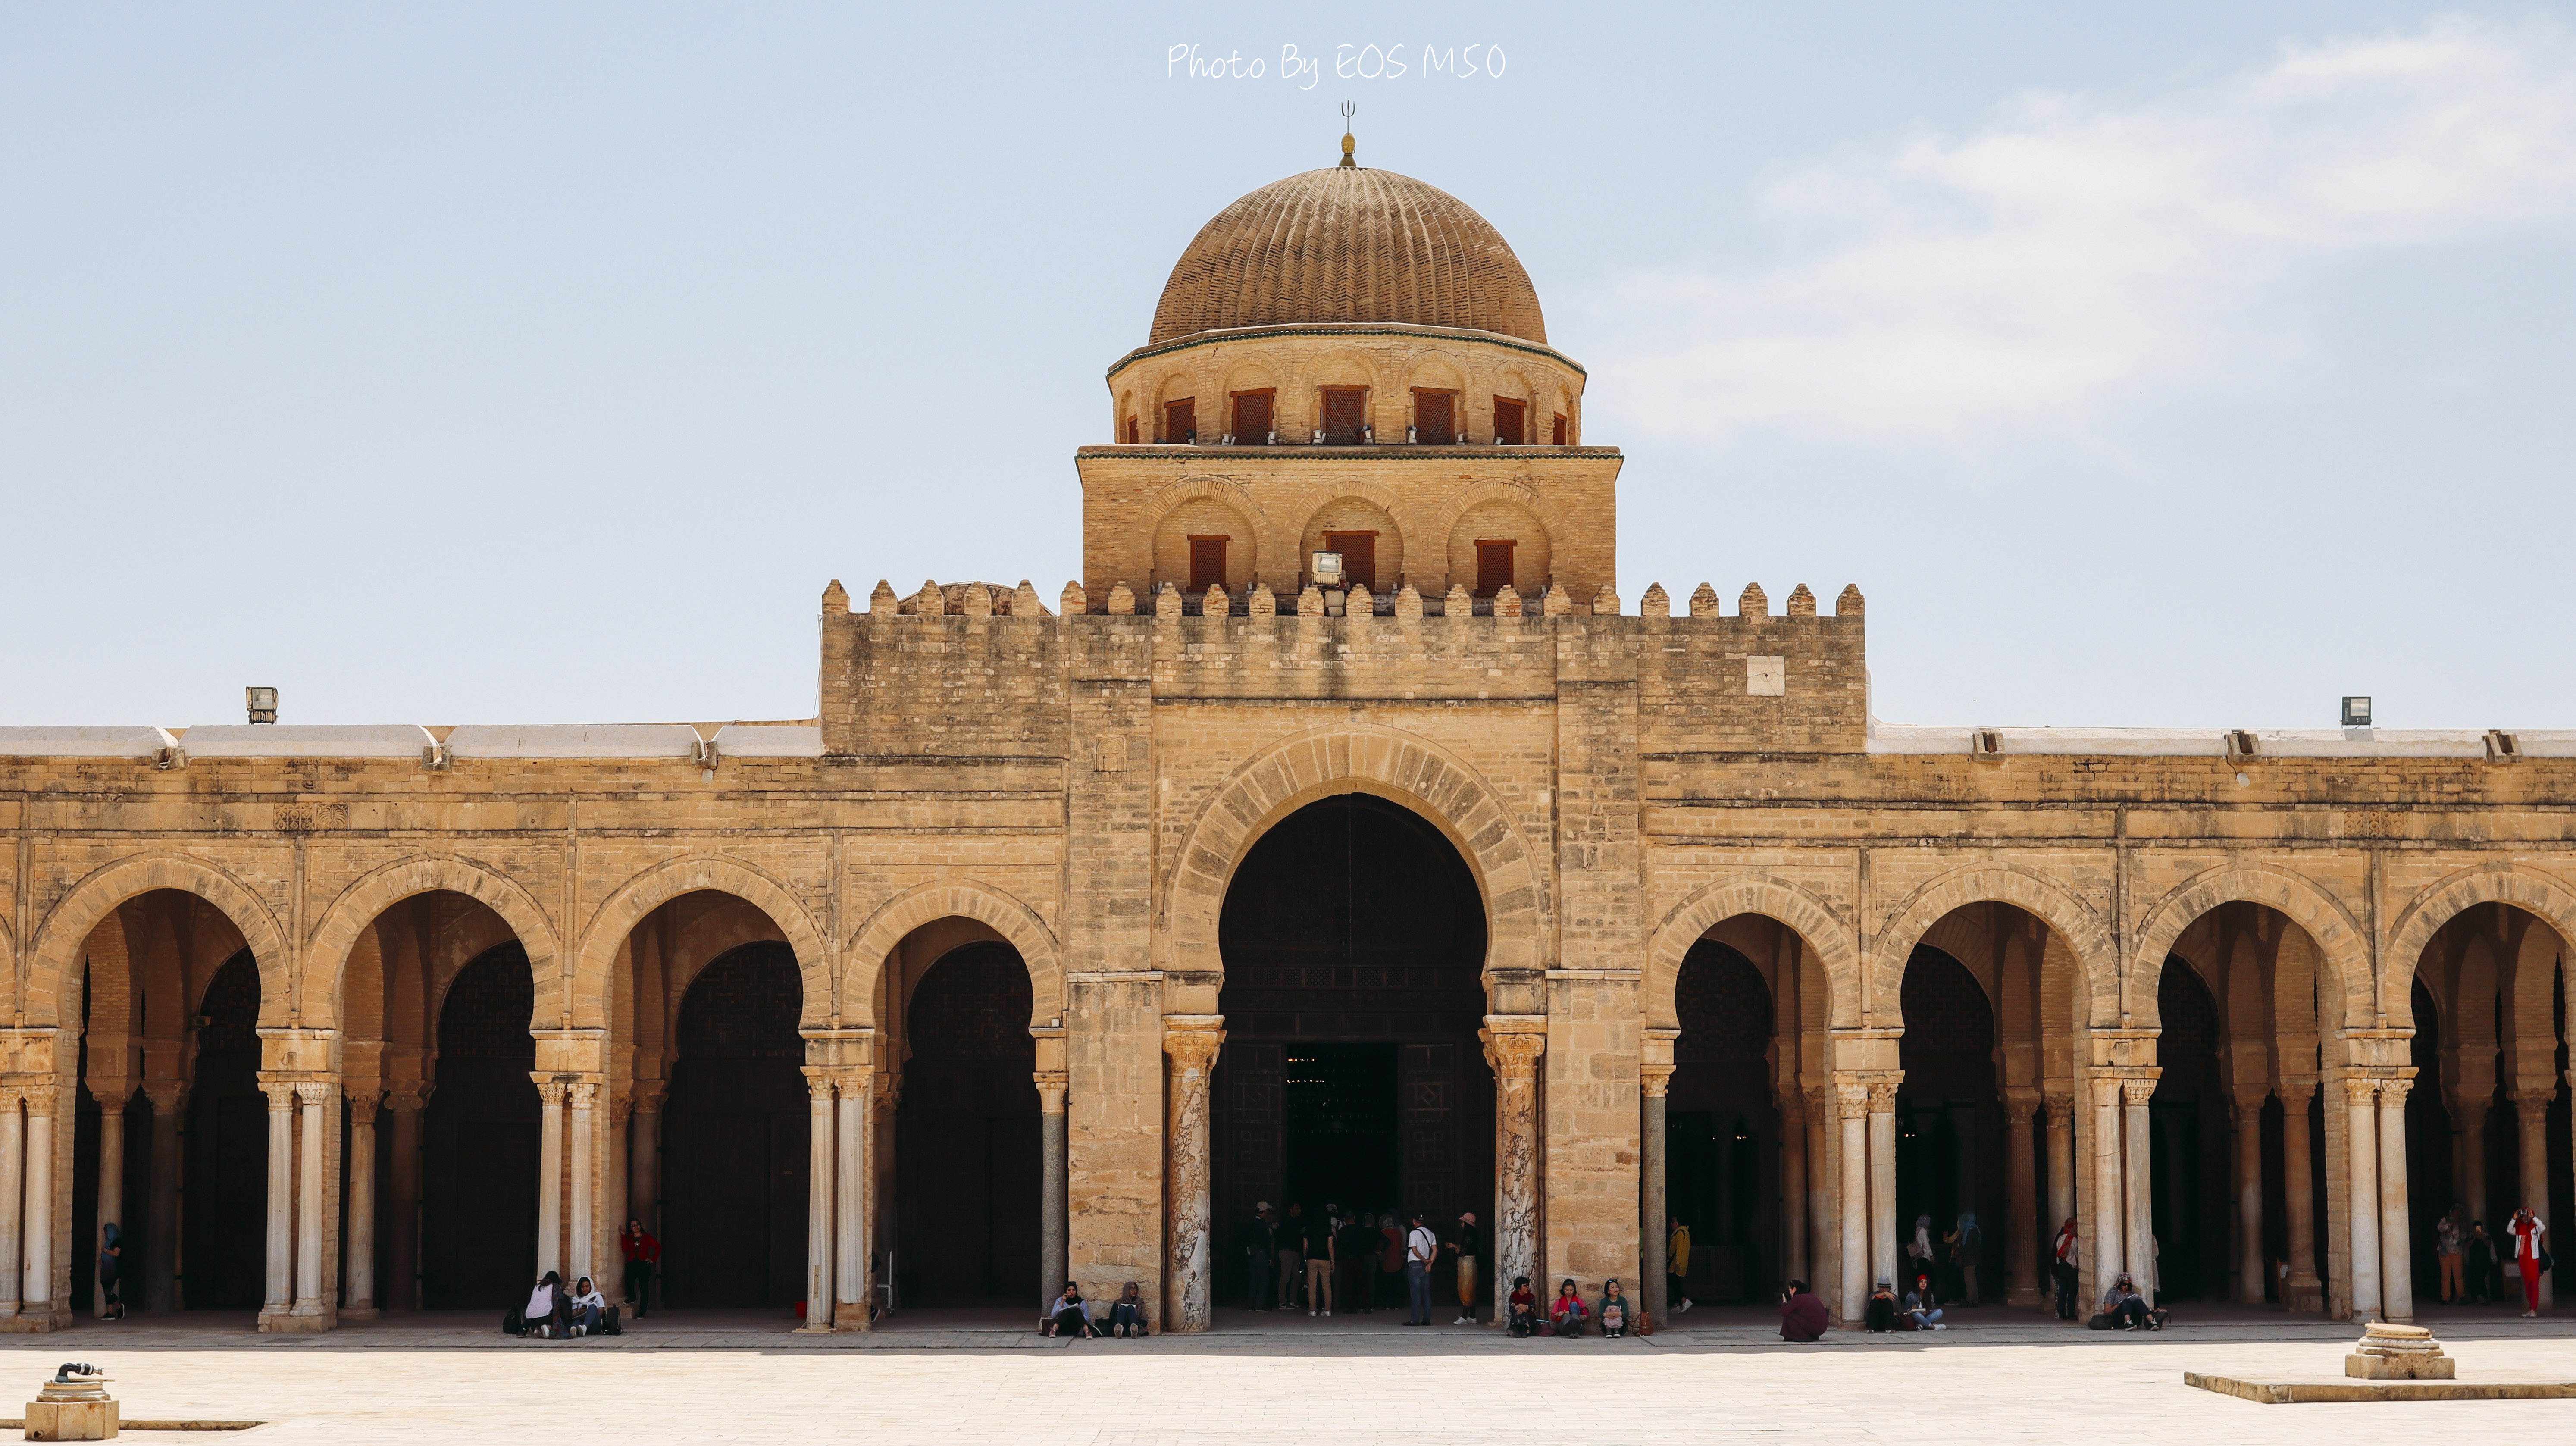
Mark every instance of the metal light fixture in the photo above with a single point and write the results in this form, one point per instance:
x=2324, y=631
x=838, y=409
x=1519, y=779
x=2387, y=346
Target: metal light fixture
x=2356, y=712
x=262, y=703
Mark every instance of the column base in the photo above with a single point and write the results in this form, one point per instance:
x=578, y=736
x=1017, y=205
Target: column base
x=2026, y=1296
x=852, y=1315
x=2304, y=1295
x=358, y=1312
x=35, y=1322
x=299, y=1321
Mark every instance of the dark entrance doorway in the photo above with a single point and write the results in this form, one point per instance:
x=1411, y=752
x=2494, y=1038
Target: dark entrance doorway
x=478, y=1245
x=225, y=1256
x=734, y=1198
x=1721, y=1132
x=1353, y=936
x=1949, y=1133
x=966, y=1135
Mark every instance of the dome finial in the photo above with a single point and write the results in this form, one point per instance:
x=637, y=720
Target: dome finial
x=1350, y=143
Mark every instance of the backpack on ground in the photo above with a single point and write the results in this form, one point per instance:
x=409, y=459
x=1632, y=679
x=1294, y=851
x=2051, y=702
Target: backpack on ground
x=610, y=1324
x=514, y=1322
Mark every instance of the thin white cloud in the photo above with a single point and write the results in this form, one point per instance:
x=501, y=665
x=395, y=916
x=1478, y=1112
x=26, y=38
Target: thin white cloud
x=1939, y=288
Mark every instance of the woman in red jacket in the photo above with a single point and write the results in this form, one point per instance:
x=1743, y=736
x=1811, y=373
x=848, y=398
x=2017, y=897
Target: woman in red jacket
x=641, y=1251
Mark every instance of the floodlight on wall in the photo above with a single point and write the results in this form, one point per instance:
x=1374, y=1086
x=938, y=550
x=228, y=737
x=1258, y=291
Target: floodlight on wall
x=262, y=703
x=1326, y=569
x=2356, y=712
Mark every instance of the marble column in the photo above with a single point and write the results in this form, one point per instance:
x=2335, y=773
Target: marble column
x=13, y=1153
x=550, y=1132
x=2249, y=1195
x=2301, y=1289
x=2021, y=1202
x=313, y=1107
x=822, y=1177
x=2058, y=1112
x=2139, y=1240
x=1882, y=1179
x=401, y=1290
x=1793, y=1187
x=36, y=1292
x=2361, y=1156
x=1824, y=1231
x=278, y=1292
x=1192, y=1050
x=582, y=1229
x=852, y=1150
x=2396, y=1235
x=111, y=1181
x=2471, y=1113
x=1851, y=1105
x=1051, y=1184
x=1654, y=1081
x=160, y=1276
x=2531, y=1113
x=2106, y=1244
x=360, y=1248
x=1516, y=1059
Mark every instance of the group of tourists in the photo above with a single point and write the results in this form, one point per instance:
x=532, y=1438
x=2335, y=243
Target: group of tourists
x=2472, y=1261
x=557, y=1312
x=1355, y=1258
x=1072, y=1316
x=1613, y=1315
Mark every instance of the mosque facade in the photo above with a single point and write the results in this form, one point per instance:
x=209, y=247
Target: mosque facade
x=1341, y=835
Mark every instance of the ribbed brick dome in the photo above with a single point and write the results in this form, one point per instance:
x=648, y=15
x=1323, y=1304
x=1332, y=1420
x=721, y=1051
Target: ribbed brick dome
x=1349, y=245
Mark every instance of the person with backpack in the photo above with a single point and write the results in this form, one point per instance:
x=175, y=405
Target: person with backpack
x=1421, y=1248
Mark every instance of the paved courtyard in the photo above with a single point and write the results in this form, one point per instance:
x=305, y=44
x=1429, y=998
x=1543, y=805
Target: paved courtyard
x=965, y=1379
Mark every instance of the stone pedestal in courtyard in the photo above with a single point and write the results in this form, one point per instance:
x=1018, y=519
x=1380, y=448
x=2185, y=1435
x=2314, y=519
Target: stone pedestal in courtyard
x=72, y=1408
x=2399, y=1353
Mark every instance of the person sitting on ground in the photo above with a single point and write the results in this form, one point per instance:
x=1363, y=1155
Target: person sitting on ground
x=1879, y=1316
x=547, y=1314
x=2122, y=1307
x=1614, y=1309
x=1524, y=1308
x=1802, y=1315
x=586, y=1307
x=1069, y=1315
x=1567, y=1314
x=1127, y=1312
x=1920, y=1313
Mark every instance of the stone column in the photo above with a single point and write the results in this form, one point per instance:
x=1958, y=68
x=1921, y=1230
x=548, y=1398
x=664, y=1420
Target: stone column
x=36, y=1295
x=111, y=1178
x=360, y=1249
x=2361, y=1155
x=581, y=1099
x=2139, y=1240
x=13, y=1156
x=1191, y=1043
x=1963, y=1135
x=313, y=1100
x=2471, y=1115
x=2060, y=1111
x=161, y=1250
x=822, y=1176
x=2021, y=1204
x=1793, y=1188
x=2249, y=1194
x=2396, y=1236
x=2301, y=1289
x=853, y=1148
x=1654, y=1080
x=550, y=1177
x=1851, y=1103
x=1516, y=1059
x=278, y=1297
x=1051, y=1184
x=2531, y=1112
x=2107, y=1243
x=1882, y=1179
x=1824, y=1231
x=402, y=1199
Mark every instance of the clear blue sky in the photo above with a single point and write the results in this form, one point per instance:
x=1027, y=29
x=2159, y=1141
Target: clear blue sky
x=2180, y=364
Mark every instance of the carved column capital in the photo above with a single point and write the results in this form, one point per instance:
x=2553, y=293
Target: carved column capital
x=581, y=1095
x=2136, y=1092
x=314, y=1093
x=1050, y=1083
x=1655, y=1079
x=1192, y=1041
x=41, y=1099
x=2358, y=1090
x=404, y=1099
x=2060, y=1107
x=621, y=1105
x=2295, y=1092
x=1851, y=1101
x=1882, y=1096
x=362, y=1108
x=819, y=1083
x=281, y=1095
x=2532, y=1106
x=168, y=1097
x=2392, y=1093
x=550, y=1093
x=1516, y=1055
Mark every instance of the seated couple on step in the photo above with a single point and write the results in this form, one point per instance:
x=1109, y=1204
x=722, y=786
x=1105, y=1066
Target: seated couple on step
x=553, y=1312
x=1071, y=1314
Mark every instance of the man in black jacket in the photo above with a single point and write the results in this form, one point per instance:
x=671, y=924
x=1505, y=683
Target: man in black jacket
x=1257, y=1240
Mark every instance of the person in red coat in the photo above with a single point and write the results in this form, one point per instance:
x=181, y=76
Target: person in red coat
x=641, y=1251
x=1802, y=1316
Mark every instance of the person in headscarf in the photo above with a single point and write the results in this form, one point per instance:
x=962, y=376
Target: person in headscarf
x=2066, y=1266
x=1919, y=1250
x=1614, y=1308
x=1127, y=1313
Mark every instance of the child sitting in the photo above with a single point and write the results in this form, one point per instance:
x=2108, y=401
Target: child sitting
x=1568, y=1314
x=1524, y=1308
x=1614, y=1310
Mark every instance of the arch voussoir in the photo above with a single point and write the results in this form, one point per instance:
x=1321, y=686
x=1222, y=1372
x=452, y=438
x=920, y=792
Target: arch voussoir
x=1811, y=918
x=55, y=950
x=1005, y=913
x=2075, y=923
x=2543, y=896
x=584, y=997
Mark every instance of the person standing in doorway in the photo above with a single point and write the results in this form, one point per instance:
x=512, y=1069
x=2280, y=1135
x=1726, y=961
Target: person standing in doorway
x=1257, y=1242
x=1677, y=1264
x=2449, y=1245
x=1466, y=1246
x=2482, y=1264
x=2528, y=1252
x=1421, y=1248
x=1291, y=1237
x=1317, y=1235
x=1966, y=1244
x=110, y=1257
x=641, y=1251
x=2067, y=1268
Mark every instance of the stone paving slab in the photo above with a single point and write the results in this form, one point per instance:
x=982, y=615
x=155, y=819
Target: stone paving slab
x=1423, y=1388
